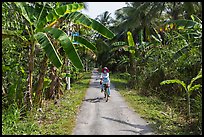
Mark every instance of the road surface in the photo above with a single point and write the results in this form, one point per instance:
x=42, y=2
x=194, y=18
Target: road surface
x=98, y=117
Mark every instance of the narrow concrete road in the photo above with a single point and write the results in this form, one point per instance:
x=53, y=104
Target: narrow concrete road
x=98, y=117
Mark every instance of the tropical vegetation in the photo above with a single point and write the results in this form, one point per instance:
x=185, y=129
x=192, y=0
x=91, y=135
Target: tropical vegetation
x=48, y=47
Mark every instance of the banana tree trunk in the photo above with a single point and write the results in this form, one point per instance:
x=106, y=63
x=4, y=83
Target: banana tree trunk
x=86, y=64
x=53, y=83
x=28, y=94
x=188, y=105
x=132, y=81
x=43, y=69
x=59, y=85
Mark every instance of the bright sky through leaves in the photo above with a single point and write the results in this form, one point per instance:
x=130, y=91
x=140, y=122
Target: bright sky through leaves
x=96, y=8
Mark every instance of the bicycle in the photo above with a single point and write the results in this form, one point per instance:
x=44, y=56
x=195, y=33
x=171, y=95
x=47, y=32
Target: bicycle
x=106, y=91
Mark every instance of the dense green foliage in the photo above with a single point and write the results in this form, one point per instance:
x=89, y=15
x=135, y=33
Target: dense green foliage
x=41, y=60
x=60, y=116
x=162, y=117
x=147, y=42
x=168, y=45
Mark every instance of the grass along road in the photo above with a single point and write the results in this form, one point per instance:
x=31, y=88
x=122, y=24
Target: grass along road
x=53, y=119
x=98, y=117
x=163, y=119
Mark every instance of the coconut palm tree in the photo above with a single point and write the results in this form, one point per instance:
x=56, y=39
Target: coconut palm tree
x=137, y=16
x=105, y=18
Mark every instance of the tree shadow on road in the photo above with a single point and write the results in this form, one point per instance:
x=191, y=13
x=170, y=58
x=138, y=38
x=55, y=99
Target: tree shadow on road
x=94, y=100
x=136, y=132
x=144, y=128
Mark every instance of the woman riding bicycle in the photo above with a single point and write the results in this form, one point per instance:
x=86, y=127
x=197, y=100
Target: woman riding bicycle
x=105, y=80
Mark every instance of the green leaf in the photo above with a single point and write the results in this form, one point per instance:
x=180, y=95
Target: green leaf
x=132, y=51
x=49, y=48
x=67, y=46
x=63, y=75
x=196, y=19
x=5, y=68
x=23, y=11
x=179, y=53
x=79, y=18
x=46, y=82
x=59, y=12
x=119, y=43
x=71, y=51
x=182, y=24
x=193, y=79
x=194, y=88
x=174, y=81
x=130, y=39
x=22, y=70
x=85, y=42
x=10, y=33
x=100, y=28
x=157, y=36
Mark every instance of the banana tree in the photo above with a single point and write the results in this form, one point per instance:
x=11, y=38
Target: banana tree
x=138, y=53
x=187, y=29
x=77, y=18
x=29, y=28
x=188, y=88
x=65, y=40
x=40, y=27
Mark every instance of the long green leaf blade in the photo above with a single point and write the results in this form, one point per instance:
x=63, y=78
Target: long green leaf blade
x=67, y=46
x=195, y=78
x=23, y=11
x=79, y=18
x=100, y=28
x=194, y=88
x=49, y=48
x=183, y=23
x=58, y=13
x=61, y=11
x=119, y=43
x=174, y=81
x=71, y=51
x=179, y=53
x=85, y=42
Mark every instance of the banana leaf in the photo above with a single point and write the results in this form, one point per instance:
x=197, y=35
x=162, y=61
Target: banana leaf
x=183, y=23
x=130, y=39
x=57, y=13
x=179, y=53
x=174, y=81
x=49, y=48
x=61, y=11
x=23, y=11
x=100, y=28
x=85, y=42
x=79, y=18
x=194, y=79
x=67, y=46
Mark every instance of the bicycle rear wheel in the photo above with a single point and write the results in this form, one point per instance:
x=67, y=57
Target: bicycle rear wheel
x=106, y=94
